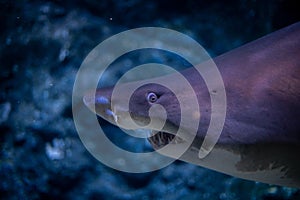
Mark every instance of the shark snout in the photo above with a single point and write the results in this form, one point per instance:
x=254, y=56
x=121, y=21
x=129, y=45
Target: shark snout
x=89, y=99
x=99, y=102
x=96, y=99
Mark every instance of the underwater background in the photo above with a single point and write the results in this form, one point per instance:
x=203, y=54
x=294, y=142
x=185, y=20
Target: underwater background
x=42, y=45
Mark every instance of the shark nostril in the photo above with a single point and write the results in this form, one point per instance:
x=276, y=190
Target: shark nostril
x=102, y=100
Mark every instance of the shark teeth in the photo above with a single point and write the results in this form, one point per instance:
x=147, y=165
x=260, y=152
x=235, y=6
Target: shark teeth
x=160, y=139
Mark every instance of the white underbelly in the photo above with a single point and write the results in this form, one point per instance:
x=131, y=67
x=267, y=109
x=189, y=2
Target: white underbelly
x=226, y=162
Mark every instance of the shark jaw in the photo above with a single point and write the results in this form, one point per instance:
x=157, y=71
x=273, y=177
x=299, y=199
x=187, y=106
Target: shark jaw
x=159, y=139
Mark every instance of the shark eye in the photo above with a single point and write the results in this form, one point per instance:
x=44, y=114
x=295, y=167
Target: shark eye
x=151, y=97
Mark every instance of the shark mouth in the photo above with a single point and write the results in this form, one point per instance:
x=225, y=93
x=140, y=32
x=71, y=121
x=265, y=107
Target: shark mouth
x=159, y=139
